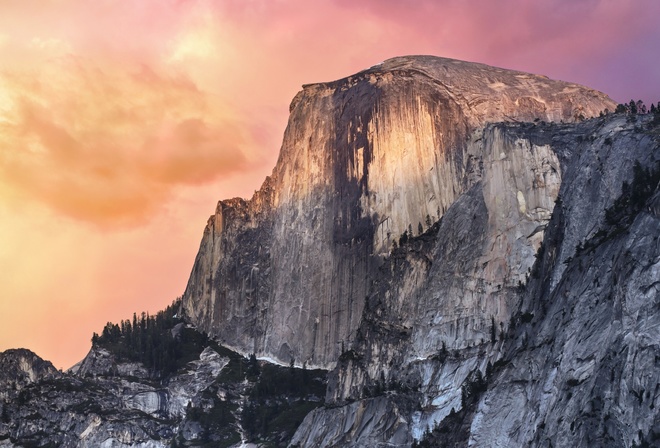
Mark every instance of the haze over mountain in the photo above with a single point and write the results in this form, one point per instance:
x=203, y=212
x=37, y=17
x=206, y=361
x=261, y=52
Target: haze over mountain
x=445, y=253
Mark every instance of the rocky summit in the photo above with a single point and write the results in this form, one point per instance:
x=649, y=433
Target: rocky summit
x=446, y=254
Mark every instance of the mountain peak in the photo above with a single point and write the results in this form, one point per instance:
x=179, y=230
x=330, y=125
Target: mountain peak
x=489, y=94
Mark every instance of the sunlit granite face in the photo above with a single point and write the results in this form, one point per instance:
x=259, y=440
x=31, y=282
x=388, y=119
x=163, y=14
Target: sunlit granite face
x=365, y=159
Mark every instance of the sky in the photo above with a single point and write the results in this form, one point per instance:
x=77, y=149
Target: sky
x=122, y=123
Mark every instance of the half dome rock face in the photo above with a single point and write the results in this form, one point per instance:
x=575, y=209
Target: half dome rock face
x=367, y=162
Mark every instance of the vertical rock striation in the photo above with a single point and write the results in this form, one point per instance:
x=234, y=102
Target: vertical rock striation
x=364, y=160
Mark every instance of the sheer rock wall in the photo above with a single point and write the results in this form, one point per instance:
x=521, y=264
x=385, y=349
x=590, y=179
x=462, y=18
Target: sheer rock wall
x=365, y=159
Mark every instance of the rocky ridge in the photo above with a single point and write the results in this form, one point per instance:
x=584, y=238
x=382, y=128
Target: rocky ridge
x=109, y=401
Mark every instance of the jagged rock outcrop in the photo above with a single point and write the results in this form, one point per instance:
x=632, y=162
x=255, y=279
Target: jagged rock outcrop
x=20, y=368
x=365, y=159
x=102, y=404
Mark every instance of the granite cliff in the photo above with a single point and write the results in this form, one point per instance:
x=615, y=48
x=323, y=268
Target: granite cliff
x=365, y=159
x=472, y=254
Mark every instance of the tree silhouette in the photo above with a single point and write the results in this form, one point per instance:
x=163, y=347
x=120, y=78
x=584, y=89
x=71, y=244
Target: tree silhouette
x=632, y=107
x=149, y=340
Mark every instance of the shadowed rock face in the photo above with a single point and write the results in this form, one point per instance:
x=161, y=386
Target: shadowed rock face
x=365, y=159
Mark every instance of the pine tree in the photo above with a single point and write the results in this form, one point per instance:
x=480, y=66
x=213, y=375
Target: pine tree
x=253, y=366
x=621, y=109
x=632, y=106
x=489, y=370
x=641, y=107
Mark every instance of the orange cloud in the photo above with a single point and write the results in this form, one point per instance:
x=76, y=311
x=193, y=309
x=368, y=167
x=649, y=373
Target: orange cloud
x=206, y=153
x=108, y=145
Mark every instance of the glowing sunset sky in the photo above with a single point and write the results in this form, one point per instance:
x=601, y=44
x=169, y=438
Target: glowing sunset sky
x=123, y=122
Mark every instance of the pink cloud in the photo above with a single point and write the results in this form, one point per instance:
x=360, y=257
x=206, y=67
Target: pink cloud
x=108, y=146
x=575, y=41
